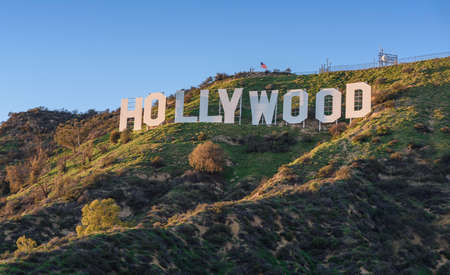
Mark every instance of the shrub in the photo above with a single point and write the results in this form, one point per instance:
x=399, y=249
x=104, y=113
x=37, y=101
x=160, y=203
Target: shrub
x=337, y=129
x=383, y=130
x=107, y=161
x=88, y=152
x=397, y=86
x=17, y=176
x=221, y=76
x=445, y=129
x=326, y=171
x=414, y=146
x=274, y=142
x=362, y=137
x=218, y=234
x=354, y=122
x=61, y=164
x=396, y=156
x=207, y=157
x=408, y=70
x=343, y=173
x=307, y=138
x=157, y=161
x=25, y=244
x=422, y=128
x=99, y=215
x=4, y=188
x=114, y=136
x=392, y=142
x=201, y=136
x=37, y=164
x=71, y=135
x=125, y=136
x=376, y=140
x=103, y=148
x=269, y=86
x=380, y=81
x=287, y=173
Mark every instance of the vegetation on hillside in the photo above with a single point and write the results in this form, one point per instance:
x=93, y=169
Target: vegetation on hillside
x=369, y=197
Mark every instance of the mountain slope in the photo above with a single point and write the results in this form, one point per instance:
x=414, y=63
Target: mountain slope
x=372, y=199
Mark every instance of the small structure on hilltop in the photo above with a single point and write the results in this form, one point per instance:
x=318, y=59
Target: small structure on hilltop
x=386, y=59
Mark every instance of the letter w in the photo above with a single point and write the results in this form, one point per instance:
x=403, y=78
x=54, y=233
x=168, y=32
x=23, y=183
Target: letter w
x=262, y=106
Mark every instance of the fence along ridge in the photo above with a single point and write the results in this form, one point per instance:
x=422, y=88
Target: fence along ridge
x=369, y=65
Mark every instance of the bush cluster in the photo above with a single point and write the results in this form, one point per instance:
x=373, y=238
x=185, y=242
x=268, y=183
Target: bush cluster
x=275, y=142
x=114, y=136
x=125, y=136
x=72, y=134
x=17, y=176
x=25, y=244
x=207, y=157
x=422, y=128
x=99, y=215
x=337, y=129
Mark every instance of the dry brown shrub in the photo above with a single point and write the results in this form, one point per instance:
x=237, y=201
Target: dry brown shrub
x=392, y=142
x=114, y=136
x=380, y=80
x=422, y=128
x=408, y=70
x=17, y=176
x=362, y=137
x=201, y=136
x=326, y=171
x=343, y=173
x=88, y=152
x=61, y=164
x=354, y=122
x=337, y=129
x=207, y=157
x=108, y=160
x=396, y=156
x=37, y=165
x=445, y=129
x=125, y=136
x=157, y=161
x=398, y=86
x=72, y=134
x=103, y=148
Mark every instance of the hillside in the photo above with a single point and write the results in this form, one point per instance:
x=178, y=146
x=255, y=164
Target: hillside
x=371, y=198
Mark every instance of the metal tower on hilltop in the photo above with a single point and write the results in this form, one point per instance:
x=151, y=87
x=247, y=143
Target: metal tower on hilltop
x=386, y=59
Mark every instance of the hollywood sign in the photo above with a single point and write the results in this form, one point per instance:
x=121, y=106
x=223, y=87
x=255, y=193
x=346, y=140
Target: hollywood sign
x=261, y=106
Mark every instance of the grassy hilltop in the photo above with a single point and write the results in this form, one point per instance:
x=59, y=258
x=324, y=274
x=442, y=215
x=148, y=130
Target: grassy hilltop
x=367, y=197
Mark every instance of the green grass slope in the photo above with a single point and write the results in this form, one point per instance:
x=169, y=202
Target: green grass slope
x=373, y=199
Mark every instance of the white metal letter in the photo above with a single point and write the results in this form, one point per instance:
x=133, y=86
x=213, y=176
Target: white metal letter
x=229, y=106
x=320, y=105
x=148, y=109
x=179, y=110
x=125, y=114
x=263, y=106
x=303, y=106
x=351, y=88
x=204, y=94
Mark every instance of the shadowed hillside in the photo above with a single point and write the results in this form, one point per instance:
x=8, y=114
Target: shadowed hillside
x=367, y=197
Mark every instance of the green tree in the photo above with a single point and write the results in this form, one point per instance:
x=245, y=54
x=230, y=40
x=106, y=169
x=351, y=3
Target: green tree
x=99, y=215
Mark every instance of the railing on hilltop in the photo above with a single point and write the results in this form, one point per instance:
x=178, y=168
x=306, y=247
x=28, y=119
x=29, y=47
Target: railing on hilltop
x=371, y=65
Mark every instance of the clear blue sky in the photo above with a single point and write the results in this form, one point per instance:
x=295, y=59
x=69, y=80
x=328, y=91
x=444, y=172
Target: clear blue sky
x=90, y=54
